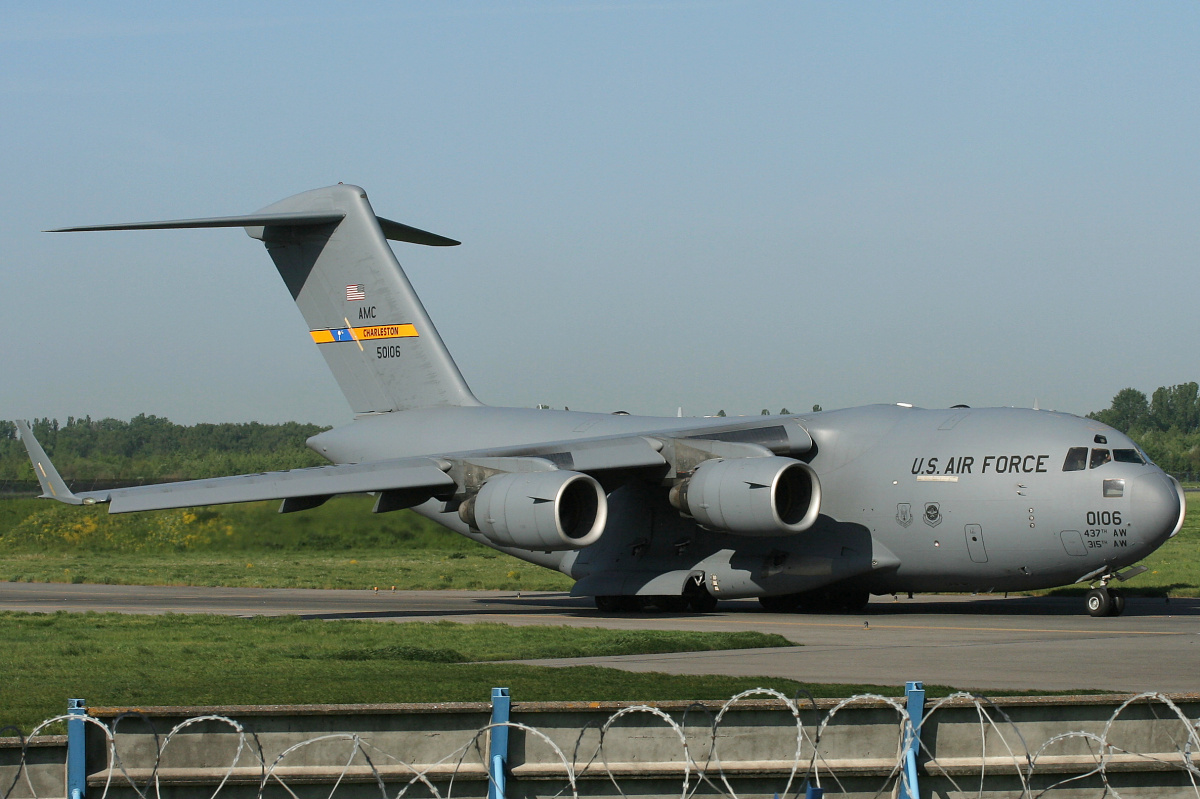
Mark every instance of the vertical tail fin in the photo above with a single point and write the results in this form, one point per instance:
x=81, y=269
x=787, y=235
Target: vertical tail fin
x=360, y=308
x=332, y=253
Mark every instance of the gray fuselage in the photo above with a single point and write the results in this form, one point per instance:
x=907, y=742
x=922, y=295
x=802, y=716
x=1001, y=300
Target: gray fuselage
x=912, y=499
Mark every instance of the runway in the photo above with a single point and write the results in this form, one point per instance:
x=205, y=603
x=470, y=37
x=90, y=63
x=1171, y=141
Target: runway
x=970, y=643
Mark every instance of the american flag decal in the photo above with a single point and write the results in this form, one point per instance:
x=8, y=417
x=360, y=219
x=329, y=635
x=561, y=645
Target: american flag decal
x=355, y=292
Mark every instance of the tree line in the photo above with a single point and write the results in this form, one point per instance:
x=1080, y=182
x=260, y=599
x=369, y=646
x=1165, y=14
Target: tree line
x=151, y=448
x=1166, y=424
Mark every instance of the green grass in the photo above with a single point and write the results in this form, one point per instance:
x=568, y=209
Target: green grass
x=417, y=570
x=344, y=523
x=338, y=545
x=121, y=660
x=1175, y=567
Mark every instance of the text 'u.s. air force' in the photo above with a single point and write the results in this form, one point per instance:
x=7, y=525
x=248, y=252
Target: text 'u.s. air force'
x=988, y=464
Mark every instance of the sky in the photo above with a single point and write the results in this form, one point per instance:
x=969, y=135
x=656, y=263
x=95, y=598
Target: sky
x=663, y=205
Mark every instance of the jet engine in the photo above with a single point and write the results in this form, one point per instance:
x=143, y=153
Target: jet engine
x=548, y=511
x=751, y=496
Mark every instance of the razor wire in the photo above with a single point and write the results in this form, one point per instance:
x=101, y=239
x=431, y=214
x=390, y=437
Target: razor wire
x=361, y=763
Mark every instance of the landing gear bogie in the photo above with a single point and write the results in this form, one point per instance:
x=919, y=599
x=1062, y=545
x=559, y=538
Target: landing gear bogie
x=695, y=601
x=786, y=603
x=702, y=602
x=616, y=604
x=819, y=601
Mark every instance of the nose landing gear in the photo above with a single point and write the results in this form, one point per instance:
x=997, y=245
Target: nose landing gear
x=1104, y=601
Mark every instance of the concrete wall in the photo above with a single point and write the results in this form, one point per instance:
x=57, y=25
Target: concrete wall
x=1007, y=747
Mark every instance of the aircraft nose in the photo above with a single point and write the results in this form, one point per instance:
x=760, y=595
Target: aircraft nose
x=1158, y=506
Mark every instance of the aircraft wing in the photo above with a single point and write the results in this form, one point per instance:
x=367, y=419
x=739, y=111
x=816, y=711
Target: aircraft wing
x=411, y=480
x=305, y=487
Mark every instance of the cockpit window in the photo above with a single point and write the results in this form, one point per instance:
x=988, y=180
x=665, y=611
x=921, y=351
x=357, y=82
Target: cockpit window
x=1076, y=459
x=1100, y=457
x=1145, y=458
x=1127, y=456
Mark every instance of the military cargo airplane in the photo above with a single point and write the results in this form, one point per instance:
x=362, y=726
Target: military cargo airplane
x=804, y=512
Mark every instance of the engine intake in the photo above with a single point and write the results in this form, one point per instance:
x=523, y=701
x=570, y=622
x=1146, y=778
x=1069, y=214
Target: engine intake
x=548, y=511
x=751, y=496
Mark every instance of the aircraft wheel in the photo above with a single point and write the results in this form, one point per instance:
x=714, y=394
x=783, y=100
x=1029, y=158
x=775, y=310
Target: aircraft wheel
x=609, y=604
x=1118, y=603
x=698, y=599
x=617, y=604
x=854, y=601
x=1099, y=602
x=812, y=602
x=779, y=604
x=702, y=602
x=670, y=604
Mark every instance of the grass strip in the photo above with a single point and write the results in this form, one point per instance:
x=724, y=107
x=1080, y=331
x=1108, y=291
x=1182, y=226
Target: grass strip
x=115, y=659
x=359, y=569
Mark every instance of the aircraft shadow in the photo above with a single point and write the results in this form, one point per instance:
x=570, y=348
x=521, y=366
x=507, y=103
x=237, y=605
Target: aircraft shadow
x=1028, y=606
x=582, y=607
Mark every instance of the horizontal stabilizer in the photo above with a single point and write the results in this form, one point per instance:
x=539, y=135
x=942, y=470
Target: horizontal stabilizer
x=248, y=220
x=399, y=232
x=396, y=231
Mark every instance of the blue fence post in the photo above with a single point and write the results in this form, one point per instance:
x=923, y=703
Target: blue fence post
x=915, y=691
x=76, y=749
x=498, y=743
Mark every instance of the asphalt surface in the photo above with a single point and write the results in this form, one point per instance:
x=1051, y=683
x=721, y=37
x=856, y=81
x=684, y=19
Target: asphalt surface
x=979, y=643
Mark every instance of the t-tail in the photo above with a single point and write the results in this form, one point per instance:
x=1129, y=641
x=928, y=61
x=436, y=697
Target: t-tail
x=331, y=251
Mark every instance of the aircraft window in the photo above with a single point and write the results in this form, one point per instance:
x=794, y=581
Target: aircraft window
x=1127, y=456
x=1114, y=489
x=1100, y=457
x=1076, y=459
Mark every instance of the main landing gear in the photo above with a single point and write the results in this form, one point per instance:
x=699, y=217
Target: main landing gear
x=698, y=603
x=1105, y=601
x=695, y=598
x=845, y=600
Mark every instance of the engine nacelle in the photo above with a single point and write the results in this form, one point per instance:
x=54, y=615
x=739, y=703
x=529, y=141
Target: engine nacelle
x=751, y=496
x=548, y=511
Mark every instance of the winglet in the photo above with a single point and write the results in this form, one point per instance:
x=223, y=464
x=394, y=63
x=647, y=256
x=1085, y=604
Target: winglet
x=53, y=486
